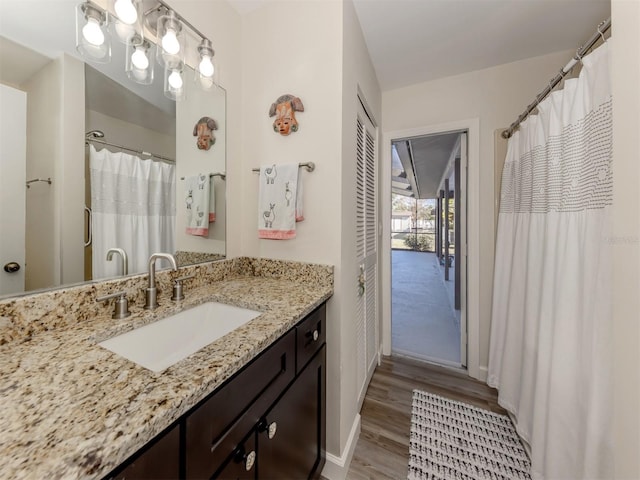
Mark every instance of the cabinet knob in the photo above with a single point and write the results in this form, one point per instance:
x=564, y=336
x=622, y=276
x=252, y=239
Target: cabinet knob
x=270, y=428
x=249, y=459
x=313, y=335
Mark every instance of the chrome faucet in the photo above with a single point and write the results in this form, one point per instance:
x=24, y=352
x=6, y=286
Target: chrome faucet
x=123, y=254
x=151, y=292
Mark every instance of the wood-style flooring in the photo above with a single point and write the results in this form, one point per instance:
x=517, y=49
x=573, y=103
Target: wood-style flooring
x=382, y=452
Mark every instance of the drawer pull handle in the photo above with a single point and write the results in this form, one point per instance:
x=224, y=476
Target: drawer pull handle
x=249, y=459
x=270, y=428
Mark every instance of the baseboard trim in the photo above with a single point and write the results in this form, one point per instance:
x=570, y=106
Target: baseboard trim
x=336, y=468
x=483, y=373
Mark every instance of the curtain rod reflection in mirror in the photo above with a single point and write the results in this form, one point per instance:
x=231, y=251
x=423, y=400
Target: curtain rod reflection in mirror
x=139, y=152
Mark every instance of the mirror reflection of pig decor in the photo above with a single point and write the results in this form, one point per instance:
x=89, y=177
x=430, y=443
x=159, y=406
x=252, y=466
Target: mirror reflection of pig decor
x=204, y=131
x=284, y=109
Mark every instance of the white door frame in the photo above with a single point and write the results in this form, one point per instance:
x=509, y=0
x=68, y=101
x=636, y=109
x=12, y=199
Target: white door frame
x=472, y=126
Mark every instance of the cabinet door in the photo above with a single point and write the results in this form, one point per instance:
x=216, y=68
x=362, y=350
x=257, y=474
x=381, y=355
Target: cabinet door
x=241, y=465
x=160, y=460
x=291, y=436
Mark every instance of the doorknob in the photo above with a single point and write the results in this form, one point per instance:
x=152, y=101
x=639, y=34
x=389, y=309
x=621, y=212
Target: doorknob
x=12, y=267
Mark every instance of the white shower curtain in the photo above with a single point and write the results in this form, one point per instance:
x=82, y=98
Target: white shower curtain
x=550, y=351
x=134, y=208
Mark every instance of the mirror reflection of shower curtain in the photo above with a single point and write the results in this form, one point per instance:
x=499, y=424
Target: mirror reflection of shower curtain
x=134, y=208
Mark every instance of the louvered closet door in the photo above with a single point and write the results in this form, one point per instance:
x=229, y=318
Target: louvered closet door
x=366, y=242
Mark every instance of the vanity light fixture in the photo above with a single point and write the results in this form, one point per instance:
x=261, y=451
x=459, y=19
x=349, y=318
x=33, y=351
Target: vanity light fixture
x=138, y=24
x=92, y=39
x=206, y=68
x=139, y=62
x=174, y=85
x=171, y=39
x=127, y=21
x=126, y=11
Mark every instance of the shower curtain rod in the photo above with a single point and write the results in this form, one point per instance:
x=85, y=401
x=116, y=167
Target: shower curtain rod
x=602, y=28
x=139, y=152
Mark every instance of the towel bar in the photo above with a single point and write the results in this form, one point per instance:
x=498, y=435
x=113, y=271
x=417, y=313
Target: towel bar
x=223, y=176
x=310, y=166
x=48, y=180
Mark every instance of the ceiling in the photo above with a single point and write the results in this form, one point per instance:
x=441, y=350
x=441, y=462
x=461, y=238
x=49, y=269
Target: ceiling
x=413, y=41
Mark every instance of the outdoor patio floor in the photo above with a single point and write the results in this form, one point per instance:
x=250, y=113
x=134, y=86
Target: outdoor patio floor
x=423, y=321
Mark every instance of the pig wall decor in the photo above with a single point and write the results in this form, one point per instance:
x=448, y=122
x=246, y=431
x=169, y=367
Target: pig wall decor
x=284, y=109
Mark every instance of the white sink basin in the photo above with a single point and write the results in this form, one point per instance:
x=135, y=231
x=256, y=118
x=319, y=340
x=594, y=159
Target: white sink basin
x=161, y=344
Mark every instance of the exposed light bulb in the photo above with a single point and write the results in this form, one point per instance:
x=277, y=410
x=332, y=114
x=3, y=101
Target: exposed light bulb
x=206, y=66
x=139, y=58
x=126, y=11
x=92, y=32
x=175, y=80
x=170, y=43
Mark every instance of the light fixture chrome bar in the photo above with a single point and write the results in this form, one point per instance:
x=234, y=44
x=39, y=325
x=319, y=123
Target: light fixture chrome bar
x=602, y=28
x=185, y=22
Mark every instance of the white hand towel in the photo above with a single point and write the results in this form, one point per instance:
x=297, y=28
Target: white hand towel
x=299, y=204
x=212, y=199
x=277, y=202
x=197, y=197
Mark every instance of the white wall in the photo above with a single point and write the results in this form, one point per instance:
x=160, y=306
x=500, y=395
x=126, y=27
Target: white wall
x=43, y=154
x=70, y=169
x=314, y=50
x=222, y=25
x=192, y=161
x=625, y=18
x=295, y=48
x=495, y=96
x=359, y=78
x=130, y=134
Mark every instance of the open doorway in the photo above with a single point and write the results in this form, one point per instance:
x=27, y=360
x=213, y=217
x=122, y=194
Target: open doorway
x=428, y=242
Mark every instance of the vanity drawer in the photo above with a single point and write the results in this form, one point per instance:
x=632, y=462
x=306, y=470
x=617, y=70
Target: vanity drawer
x=311, y=335
x=217, y=425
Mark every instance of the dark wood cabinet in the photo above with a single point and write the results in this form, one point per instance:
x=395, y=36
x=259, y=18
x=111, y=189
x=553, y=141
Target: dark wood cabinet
x=265, y=422
x=216, y=427
x=241, y=464
x=158, y=460
x=291, y=436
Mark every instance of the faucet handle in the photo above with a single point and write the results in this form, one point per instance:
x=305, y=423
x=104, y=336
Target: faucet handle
x=121, y=305
x=178, y=293
x=186, y=277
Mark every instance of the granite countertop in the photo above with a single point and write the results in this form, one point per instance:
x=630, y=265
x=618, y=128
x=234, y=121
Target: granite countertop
x=72, y=409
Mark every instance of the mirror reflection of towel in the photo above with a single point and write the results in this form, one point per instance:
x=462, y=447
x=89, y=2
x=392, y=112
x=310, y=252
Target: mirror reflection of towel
x=199, y=204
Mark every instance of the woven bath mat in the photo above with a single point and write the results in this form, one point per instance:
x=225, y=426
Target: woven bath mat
x=453, y=440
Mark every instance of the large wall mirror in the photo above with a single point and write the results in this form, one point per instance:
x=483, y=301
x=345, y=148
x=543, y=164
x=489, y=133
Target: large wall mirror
x=91, y=161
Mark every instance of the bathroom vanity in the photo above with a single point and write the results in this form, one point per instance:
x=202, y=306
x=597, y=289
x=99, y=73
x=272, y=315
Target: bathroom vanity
x=267, y=421
x=249, y=405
